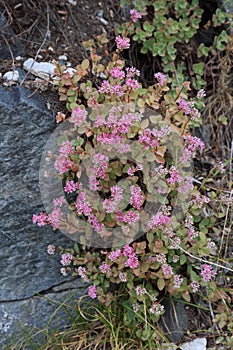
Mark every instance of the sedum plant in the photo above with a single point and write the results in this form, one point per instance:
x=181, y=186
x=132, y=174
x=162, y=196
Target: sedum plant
x=124, y=159
x=167, y=31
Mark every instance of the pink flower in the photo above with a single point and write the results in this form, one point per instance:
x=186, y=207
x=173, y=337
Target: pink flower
x=192, y=234
x=131, y=217
x=57, y=202
x=136, y=199
x=122, y=43
x=195, y=286
x=193, y=143
x=62, y=164
x=114, y=255
x=177, y=281
x=167, y=270
x=71, y=186
x=140, y=290
x=82, y=205
x=174, y=176
x=132, y=83
x=40, y=220
x=55, y=218
x=156, y=309
x=78, y=115
x=116, y=192
x=131, y=72
x=128, y=251
x=104, y=267
x=123, y=277
x=187, y=186
x=131, y=171
x=158, y=220
x=207, y=273
x=92, y=292
x=184, y=106
x=95, y=223
x=66, y=149
x=161, y=78
x=201, y=93
x=82, y=273
x=135, y=15
x=66, y=259
x=51, y=249
x=63, y=271
x=132, y=262
x=117, y=73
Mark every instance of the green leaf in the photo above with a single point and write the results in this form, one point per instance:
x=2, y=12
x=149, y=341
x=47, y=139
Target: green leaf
x=161, y=283
x=198, y=68
x=183, y=259
x=85, y=64
x=148, y=27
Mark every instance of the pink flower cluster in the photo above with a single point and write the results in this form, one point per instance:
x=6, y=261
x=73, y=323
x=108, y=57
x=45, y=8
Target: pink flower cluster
x=167, y=270
x=51, y=249
x=55, y=218
x=159, y=220
x=177, y=281
x=122, y=43
x=71, y=186
x=186, y=186
x=104, y=267
x=130, y=217
x=58, y=202
x=188, y=109
x=121, y=87
x=92, y=292
x=140, y=290
x=82, y=205
x=100, y=165
x=63, y=163
x=41, y=219
x=193, y=143
x=156, y=309
x=207, y=272
x=66, y=259
x=66, y=149
x=114, y=254
x=78, y=115
x=136, y=199
x=129, y=252
x=95, y=223
x=161, y=78
x=109, y=204
x=82, y=273
x=147, y=138
x=174, y=176
x=135, y=15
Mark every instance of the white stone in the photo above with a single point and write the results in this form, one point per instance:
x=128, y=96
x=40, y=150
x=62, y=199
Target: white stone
x=71, y=71
x=11, y=76
x=43, y=70
x=72, y=2
x=196, y=344
x=19, y=58
x=62, y=58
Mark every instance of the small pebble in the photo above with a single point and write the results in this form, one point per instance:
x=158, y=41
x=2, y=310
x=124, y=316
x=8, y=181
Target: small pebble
x=11, y=76
x=62, y=58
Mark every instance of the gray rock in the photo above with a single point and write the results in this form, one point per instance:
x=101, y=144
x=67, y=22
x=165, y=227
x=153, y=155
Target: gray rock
x=26, y=267
x=44, y=70
x=7, y=37
x=196, y=344
x=39, y=316
x=11, y=76
x=175, y=321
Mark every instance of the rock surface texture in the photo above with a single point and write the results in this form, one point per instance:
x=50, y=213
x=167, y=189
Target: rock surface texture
x=26, y=267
